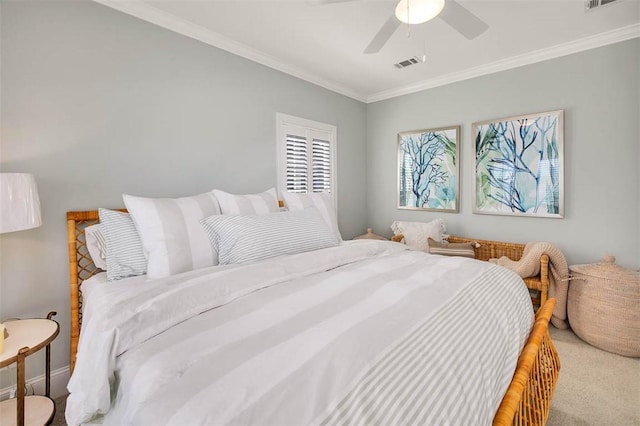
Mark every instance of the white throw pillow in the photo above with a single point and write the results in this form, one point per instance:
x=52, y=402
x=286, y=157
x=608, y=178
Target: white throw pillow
x=321, y=201
x=96, y=246
x=171, y=234
x=417, y=234
x=262, y=203
x=247, y=238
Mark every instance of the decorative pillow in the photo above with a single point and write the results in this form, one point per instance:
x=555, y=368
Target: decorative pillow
x=96, y=246
x=246, y=238
x=320, y=200
x=124, y=254
x=416, y=234
x=265, y=202
x=171, y=234
x=452, y=249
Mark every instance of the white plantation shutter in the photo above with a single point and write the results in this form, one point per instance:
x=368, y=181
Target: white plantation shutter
x=297, y=164
x=321, y=170
x=306, y=155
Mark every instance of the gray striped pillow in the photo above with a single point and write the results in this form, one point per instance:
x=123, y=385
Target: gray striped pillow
x=320, y=200
x=171, y=234
x=124, y=254
x=452, y=249
x=246, y=238
x=262, y=203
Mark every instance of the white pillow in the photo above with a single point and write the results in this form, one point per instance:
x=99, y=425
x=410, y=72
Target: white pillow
x=96, y=246
x=417, y=234
x=320, y=200
x=124, y=254
x=246, y=238
x=171, y=234
x=265, y=202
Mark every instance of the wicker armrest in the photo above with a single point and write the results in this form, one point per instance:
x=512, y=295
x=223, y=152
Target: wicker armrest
x=540, y=282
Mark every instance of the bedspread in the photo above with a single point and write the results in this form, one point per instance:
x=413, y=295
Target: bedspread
x=366, y=333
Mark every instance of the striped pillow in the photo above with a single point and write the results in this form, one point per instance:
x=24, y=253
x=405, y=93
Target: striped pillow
x=171, y=234
x=246, y=238
x=321, y=201
x=265, y=202
x=124, y=254
x=452, y=249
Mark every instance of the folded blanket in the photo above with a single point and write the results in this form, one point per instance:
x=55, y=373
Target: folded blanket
x=529, y=265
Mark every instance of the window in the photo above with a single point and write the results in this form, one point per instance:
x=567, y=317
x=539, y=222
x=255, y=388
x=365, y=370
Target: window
x=306, y=155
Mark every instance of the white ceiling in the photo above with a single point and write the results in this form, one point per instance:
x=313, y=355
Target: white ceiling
x=324, y=43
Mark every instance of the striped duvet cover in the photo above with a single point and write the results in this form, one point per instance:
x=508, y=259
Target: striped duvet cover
x=363, y=333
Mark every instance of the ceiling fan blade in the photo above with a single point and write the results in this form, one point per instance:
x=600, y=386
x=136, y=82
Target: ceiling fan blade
x=462, y=20
x=383, y=35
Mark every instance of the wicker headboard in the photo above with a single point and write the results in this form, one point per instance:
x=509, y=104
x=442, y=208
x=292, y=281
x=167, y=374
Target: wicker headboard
x=81, y=267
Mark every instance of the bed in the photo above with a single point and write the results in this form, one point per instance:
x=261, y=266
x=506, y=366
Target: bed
x=363, y=333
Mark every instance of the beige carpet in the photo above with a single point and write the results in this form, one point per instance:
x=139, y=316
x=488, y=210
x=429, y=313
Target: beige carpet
x=595, y=387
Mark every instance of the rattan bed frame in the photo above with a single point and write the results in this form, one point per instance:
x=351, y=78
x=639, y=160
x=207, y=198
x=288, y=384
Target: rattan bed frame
x=526, y=402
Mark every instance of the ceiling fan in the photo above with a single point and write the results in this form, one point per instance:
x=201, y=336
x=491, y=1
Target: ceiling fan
x=420, y=11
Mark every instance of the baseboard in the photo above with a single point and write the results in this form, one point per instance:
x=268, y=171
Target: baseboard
x=59, y=380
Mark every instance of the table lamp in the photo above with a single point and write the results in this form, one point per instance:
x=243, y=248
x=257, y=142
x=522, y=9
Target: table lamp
x=19, y=202
x=19, y=209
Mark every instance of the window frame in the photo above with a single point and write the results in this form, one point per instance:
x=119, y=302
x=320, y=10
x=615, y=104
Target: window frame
x=284, y=122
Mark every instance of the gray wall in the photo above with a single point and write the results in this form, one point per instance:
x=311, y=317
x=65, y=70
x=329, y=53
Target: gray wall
x=598, y=90
x=96, y=103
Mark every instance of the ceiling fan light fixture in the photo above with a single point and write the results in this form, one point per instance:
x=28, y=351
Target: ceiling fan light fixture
x=418, y=11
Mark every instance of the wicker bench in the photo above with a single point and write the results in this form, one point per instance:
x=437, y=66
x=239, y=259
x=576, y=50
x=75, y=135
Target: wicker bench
x=487, y=249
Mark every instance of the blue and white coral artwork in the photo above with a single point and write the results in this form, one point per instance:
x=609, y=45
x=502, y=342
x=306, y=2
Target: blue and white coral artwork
x=428, y=169
x=519, y=165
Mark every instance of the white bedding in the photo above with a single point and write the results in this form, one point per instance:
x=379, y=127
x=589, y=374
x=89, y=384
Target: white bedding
x=366, y=332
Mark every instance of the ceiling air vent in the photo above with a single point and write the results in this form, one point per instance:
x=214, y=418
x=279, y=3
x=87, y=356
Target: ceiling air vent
x=411, y=61
x=592, y=4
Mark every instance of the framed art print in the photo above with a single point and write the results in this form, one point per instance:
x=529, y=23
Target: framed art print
x=428, y=170
x=519, y=165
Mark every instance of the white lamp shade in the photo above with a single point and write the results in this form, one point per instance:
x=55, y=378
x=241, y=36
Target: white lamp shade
x=418, y=11
x=19, y=202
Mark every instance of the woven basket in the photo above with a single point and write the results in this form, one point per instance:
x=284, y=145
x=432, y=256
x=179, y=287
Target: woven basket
x=603, y=306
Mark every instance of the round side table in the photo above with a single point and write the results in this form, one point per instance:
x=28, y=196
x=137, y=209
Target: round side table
x=26, y=337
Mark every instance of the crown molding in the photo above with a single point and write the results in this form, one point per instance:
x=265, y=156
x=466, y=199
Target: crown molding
x=603, y=39
x=151, y=14
x=171, y=22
